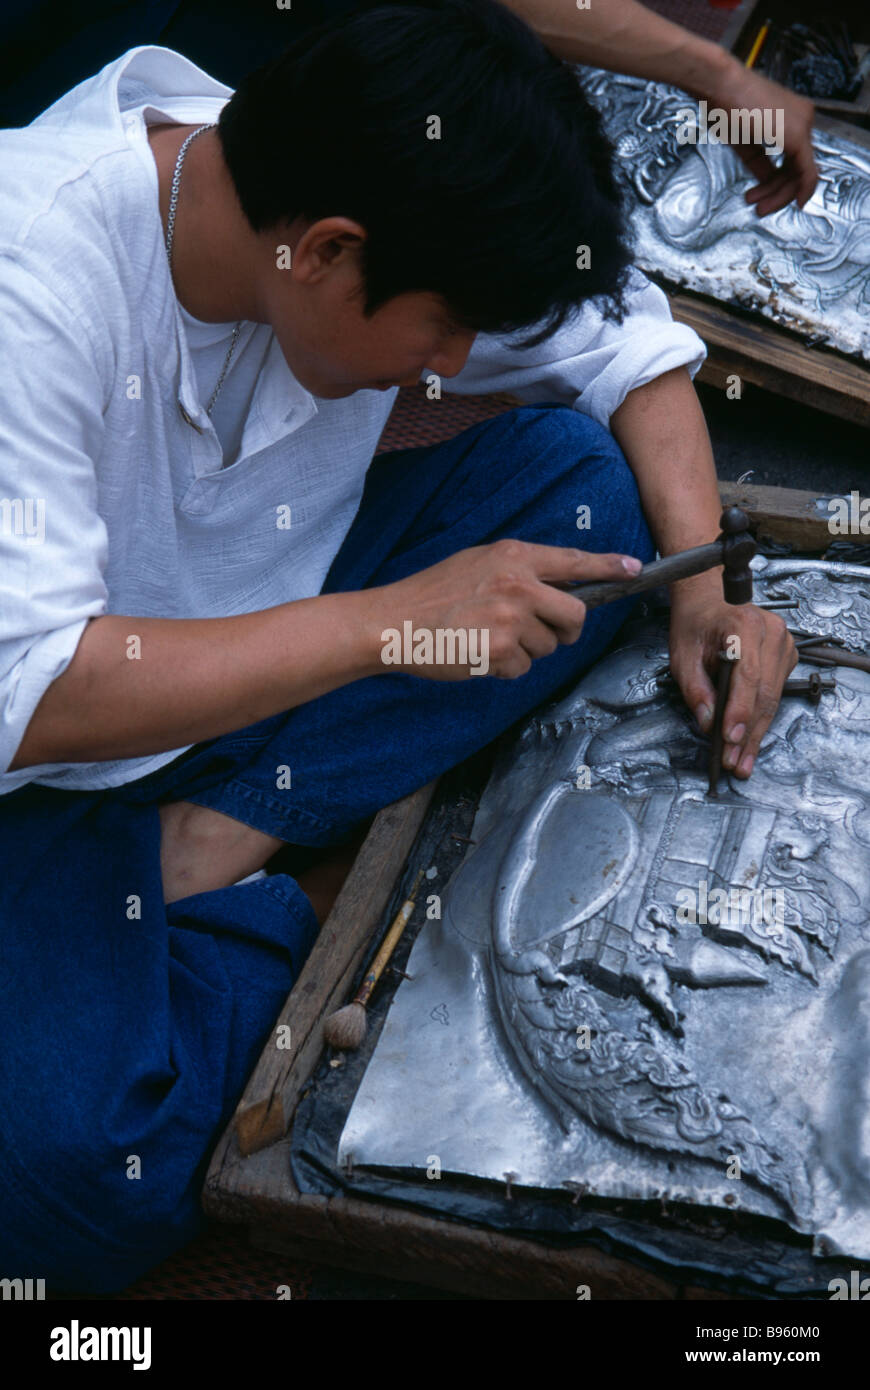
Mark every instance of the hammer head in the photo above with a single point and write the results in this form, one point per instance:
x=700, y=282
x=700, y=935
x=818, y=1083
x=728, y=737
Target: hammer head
x=738, y=548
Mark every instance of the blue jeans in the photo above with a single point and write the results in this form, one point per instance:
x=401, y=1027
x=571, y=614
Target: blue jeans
x=128, y=1028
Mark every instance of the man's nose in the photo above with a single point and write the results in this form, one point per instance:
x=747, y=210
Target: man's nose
x=453, y=355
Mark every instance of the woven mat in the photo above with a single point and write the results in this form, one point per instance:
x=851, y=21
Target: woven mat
x=417, y=421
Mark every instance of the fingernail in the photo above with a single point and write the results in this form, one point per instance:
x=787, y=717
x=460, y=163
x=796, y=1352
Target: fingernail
x=631, y=564
x=748, y=764
x=736, y=734
x=729, y=757
x=703, y=714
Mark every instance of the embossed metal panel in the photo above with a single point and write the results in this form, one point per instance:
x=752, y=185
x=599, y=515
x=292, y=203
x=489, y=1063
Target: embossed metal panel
x=807, y=268
x=570, y=1020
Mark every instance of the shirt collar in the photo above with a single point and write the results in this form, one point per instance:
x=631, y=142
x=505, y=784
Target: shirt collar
x=139, y=73
x=281, y=404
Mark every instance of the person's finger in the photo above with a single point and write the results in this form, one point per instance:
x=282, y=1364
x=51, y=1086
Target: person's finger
x=518, y=663
x=766, y=704
x=556, y=564
x=739, y=716
x=696, y=689
x=795, y=179
x=778, y=657
x=537, y=639
x=774, y=189
x=563, y=613
x=778, y=197
x=807, y=172
x=760, y=165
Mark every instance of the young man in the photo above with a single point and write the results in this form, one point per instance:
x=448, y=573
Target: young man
x=204, y=329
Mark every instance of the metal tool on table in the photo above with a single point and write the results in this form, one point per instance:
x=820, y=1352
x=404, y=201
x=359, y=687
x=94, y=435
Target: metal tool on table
x=821, y=651
x=813, y=686
x=727, y=663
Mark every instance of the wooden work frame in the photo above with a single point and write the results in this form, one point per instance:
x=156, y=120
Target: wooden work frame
x=760, y=353
x=249, y=1182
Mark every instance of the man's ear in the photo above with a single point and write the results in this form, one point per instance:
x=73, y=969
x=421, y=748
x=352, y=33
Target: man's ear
x=332, y=243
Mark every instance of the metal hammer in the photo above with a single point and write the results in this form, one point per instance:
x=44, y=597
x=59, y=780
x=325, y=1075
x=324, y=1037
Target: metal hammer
x=733, y=548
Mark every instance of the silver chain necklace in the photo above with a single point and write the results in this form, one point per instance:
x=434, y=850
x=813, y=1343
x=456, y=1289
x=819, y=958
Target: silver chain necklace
x=170, y=232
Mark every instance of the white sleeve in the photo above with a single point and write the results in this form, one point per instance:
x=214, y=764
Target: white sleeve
x=591, y=363
x=53, y=543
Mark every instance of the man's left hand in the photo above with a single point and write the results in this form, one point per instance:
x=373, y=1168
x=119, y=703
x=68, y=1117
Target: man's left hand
x=702, y=624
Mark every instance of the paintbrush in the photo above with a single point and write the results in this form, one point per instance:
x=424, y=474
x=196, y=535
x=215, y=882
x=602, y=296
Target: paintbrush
x=346, y=1028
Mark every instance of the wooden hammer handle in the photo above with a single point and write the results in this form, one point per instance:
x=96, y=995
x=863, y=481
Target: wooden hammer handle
x=733, y=549
x=666, y=571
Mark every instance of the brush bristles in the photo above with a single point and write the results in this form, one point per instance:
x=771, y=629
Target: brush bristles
x=346, y=1029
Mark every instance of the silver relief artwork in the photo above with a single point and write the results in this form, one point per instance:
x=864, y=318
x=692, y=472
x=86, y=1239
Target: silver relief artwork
x=636, y=990
x=807, y=268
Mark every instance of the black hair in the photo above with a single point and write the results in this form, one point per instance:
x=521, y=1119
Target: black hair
x=490, y=215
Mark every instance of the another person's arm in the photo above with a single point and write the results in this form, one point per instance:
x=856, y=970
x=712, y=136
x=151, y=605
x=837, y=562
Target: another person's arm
x=624, y=36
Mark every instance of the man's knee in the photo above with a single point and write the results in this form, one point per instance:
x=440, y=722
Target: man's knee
x=594, y=493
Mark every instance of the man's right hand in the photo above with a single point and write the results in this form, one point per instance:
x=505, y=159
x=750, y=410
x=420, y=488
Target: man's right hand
x=197, y=678
x=508, y=590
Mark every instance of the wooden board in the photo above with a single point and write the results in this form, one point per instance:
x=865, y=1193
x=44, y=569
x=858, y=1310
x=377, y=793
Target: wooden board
x=763, y=354
x=785, y=515
x=270, y=1096
x=258, y=1193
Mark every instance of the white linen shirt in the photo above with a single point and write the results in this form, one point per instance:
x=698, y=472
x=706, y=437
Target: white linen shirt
x=113, y=493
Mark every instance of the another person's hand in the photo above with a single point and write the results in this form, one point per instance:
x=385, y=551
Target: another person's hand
x=701, y=625
x=625, y=36
x=740, y=88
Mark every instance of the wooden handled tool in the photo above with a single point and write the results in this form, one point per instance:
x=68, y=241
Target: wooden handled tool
x=346, y=1028
x=733, y=549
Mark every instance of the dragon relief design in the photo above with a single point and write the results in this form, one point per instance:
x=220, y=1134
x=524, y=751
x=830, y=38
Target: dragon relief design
x=839, y=608
x=693, y=225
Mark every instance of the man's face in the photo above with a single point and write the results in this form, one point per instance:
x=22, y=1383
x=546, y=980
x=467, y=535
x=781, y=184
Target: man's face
x=333, y=350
